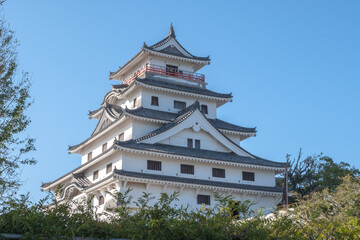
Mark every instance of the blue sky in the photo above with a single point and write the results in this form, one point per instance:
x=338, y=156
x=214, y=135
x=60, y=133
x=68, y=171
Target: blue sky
x=292, y=66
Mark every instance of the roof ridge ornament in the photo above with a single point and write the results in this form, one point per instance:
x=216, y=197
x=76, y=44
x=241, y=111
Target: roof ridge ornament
x=171, y=31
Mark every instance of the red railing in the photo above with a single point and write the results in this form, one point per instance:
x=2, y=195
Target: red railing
x=196, y=77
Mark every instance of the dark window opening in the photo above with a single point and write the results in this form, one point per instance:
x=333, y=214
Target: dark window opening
x=190, y=143
x=171, y=70
x=121, y=137
x=154, y=165
x=179, y=105
x=89, y=156
x=248, y=176
x=109, y=168
x=203, y=199
x=134, y=103
x=95, y=175
x=154, y=101
x=197, y=144
x=187, y=169
x=204, y=109
x=218, y=172
x=104, y=147
x=101, y=200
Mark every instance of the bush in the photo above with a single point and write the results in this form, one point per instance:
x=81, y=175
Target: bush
x=324, y=215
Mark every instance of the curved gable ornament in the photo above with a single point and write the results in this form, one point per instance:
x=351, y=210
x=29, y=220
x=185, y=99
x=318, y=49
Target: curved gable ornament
x=196, y=127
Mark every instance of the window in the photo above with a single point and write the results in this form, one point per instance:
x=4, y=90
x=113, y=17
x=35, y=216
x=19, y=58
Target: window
x=203, y=199
x=104, y=147
x=187, y=169
x=121, y=137
x=134, y=103
x=218, y=172
x=101, y=200
x=154, y=165
x=154, y=101
x=179, y=105
x=89, y=156
x=189, y=143
x=171, y=70
x=109, y=168
x=95, y=175
x=204, y=109
x=197, y=143
x=248, y=176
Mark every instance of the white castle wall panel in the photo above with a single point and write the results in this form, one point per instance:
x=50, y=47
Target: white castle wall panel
x=166, y=101
x=171, y=167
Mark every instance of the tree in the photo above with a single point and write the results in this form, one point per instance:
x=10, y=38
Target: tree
x=316, y=173
x=14, y=101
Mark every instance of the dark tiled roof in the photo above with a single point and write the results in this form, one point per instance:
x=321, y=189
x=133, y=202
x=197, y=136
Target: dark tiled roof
x=199, y=153
x=120, y=86
x=195, y=90
x=82, y=180
x=170, y=36
x=80, y=174
x=197, y=181
x=154, y=114
x=217, y=123
x=181, y=117
x=168, y=116
x=178, y=53
x=153, y=47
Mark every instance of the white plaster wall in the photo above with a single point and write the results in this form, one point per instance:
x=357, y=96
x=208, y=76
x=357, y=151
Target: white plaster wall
x=96, y=146
x=129, y=100
x=207, y=141
x=137, y=67
x=141, y=128
x=161, y=61
x=166, y=101
x=171, y=167
x=115, y=159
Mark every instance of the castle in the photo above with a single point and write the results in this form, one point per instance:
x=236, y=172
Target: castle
x=158, y=132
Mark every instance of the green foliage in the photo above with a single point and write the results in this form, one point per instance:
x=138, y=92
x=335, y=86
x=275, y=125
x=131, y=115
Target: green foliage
x=323, y=215
x=14, y=100
x=316, y=173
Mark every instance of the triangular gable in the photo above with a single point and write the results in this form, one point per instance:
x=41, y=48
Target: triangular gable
x=173, y=46
x=105, y=120
x=197, y=121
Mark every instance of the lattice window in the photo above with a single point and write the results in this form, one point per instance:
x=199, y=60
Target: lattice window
x=109, y=168
x=179, y=105
x=218, y=172
x=154, y=101
x=248, y=176
x=187, y=169
x=203, y=199
x=95, y=175
x=154, y=165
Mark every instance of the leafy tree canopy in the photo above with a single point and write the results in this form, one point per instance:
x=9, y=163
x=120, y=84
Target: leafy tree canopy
x=316, y=173
x=14, y=100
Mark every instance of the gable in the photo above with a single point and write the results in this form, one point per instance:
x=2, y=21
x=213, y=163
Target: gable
x=197, y=122
x=174, y=46
x=207, y=141
x=105, y=120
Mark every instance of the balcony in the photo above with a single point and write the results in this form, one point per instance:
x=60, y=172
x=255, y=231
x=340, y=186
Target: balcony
x=194, y=77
